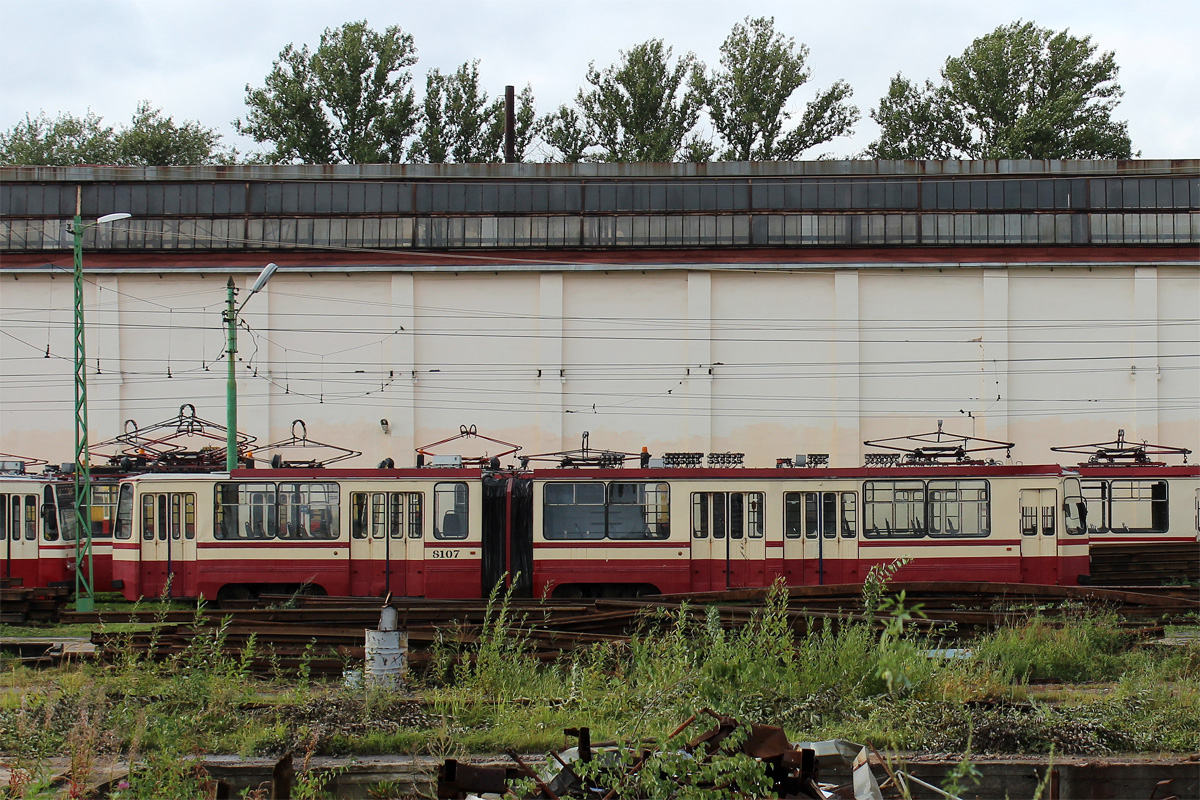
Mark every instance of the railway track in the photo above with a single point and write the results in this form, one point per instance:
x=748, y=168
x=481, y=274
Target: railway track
x=326, y=634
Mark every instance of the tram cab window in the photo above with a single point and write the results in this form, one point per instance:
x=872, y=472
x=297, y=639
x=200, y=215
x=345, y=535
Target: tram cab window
x=49, y=515
x=124, y=524
x=451, y=507
x=66, y=511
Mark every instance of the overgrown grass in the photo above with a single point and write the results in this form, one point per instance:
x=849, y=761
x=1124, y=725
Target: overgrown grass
x=878, y=682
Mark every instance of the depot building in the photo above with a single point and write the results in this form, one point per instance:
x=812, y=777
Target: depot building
x=767, y=309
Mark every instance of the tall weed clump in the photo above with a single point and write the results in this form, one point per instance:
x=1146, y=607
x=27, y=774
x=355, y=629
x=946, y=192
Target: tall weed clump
x=1090, y=647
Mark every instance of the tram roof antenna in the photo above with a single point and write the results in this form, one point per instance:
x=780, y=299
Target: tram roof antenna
x=584, y=456
x=301, y=441
x=470, y=432
x=1120, y=452
x=939, y=447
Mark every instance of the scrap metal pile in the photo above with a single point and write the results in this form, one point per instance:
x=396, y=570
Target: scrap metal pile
x=603, y=771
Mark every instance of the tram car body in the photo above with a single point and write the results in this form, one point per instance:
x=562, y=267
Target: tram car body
x=38, y=526
x=1129, y=504
x=455, y=533
x=1143, y=523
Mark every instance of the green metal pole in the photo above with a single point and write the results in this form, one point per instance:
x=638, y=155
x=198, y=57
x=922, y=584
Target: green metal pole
x=230, y=315
x=84, y=596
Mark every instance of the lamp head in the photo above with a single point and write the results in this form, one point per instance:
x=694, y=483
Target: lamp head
x=113, y=217
x=264, y=276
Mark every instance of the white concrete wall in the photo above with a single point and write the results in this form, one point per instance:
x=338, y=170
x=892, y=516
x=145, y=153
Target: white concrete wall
x=769, y=360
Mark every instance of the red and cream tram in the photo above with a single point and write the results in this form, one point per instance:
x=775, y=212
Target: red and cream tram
x=454, y=532
x=37, y=528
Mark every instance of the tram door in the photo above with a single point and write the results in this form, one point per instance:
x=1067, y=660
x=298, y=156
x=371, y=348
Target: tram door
x=168, y=544
x=18, y=536
x=387, y=544
x=507, y=533
x=727, y=540
x=1039, y=536
x=828, y=526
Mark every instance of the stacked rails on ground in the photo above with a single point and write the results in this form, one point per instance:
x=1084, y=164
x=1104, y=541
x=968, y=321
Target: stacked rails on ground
x=37, y=605
x=1145, y=563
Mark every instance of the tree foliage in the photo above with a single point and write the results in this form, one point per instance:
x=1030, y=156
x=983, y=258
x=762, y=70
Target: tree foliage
x=155, y=140
x=350, y=101
x=643, y=108
x=1019, y=92
x=460, y=125
x=151, y=139
x=747, y=97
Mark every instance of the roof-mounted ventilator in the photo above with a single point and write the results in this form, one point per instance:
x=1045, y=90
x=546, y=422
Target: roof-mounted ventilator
x=802, y=460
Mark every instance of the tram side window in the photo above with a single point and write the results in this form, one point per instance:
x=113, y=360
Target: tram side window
x=1095, y=495
x=49, y=516
x=6, y=521
x=893, y=509
x=849, y=515
x=792, y=515
x=245, y=511
x=416, y=515
x=959, y=508
x=124, y=525
x=3, y=517
x=1138, y=506
x=450, y=511
x=638, y=511
x=359, y=514
x=308, y=510
x=573, y=511
x=148, y=517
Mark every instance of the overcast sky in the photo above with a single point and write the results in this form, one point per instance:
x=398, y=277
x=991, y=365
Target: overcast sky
x=194, y=59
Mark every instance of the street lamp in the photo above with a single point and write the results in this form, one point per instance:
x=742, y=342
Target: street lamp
x=85, y=599
x=230, y=316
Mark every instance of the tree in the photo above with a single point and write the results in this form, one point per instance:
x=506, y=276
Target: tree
x=64, y=141
x=155, y=140
x=150, y=140
x=568, y=133
x=747, y=98
x=350, y=101
x=916, y=124
x=643, y=108
x=1019, y=92
x=459, y=124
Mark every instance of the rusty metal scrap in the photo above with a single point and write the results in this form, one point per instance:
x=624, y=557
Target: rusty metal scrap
x=793, y=769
